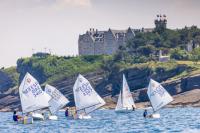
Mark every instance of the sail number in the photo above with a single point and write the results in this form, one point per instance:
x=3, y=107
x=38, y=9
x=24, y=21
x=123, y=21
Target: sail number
x=86, y=89
x=56, y=95
x=34, y=88
x=158, y=90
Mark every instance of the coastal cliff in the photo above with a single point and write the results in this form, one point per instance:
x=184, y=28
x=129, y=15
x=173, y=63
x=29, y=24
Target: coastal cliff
x=180, y=89
x=5, y=81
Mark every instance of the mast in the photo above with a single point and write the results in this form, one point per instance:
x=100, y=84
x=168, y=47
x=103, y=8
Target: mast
x=152, y=106
x=122, y=98
x=21, y=96
x=150, y=98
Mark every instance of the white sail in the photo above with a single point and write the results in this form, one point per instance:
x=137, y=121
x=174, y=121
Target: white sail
x=158, y=96
x=125, y=100
x=31, y=95
x=86, y=98
x=58, y=100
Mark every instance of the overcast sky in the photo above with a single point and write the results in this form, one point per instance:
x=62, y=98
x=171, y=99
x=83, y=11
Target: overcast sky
x=56, y=24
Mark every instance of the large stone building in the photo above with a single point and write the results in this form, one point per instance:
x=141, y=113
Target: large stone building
x=95, y=42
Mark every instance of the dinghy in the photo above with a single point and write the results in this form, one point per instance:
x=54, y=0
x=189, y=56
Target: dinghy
x=158, y=96
x=32, y=97
x=37, y=116
x=86, y=98
x=57, y=101
x=125, y=101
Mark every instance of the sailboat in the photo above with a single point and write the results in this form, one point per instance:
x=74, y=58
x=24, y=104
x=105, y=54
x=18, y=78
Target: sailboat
x=32, y=97
x=86, y=98
x=125, y=101
x=57, y=101
x=158, y=96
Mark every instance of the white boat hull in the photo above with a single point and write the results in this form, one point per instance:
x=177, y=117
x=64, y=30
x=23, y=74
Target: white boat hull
x=37, y=117
x=53, y=117
x=156, y=116
x=84, y=117
x=125, y=110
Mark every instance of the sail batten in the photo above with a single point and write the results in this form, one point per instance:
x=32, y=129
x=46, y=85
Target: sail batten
x=86, y=98
x=158, y=96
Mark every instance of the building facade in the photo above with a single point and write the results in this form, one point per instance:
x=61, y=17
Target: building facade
x=95, y=42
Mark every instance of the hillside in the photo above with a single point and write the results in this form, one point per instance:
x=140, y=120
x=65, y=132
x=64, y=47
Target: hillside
x=107, y=84
x=138, y=60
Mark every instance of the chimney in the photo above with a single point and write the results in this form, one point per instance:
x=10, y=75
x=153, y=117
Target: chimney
x=160, y=53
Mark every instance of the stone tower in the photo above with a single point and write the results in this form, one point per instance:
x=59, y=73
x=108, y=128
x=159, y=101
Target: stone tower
x=160, y=23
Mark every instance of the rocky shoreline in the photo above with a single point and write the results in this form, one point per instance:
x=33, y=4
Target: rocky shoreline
x=186, y=92
x=186, y=99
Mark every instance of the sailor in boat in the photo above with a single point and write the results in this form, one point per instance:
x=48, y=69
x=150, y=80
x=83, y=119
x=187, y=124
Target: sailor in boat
x=66, y=112
x=133, y=107
x=145, y=114
x=16, y=117
x=43, y=115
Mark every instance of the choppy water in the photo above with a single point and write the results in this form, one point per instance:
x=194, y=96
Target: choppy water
x=103, y=121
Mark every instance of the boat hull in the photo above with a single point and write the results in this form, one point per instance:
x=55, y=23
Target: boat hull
x=53, y=117
x=124, y=110
x=155, y=116
x=37, y=117
x=84, y=117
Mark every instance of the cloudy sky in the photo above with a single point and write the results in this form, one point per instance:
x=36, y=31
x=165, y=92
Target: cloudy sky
x=33, y=25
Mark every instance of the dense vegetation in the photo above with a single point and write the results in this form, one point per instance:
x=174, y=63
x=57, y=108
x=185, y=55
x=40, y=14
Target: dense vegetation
x=50, y=68
x=145, y=46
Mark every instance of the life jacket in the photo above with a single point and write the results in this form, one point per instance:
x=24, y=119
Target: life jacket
x=66, y=113
x=145, y=114
x=15, y=117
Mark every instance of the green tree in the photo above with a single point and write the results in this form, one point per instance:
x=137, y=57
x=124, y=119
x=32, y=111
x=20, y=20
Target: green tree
x=179, y=54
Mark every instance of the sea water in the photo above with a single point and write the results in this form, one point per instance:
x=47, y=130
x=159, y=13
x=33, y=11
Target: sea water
x=107, y=121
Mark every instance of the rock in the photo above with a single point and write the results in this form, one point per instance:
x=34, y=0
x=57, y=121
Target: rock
x=5, y=81
x=104, y=87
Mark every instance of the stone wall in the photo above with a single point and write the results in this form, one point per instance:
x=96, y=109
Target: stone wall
x=110, y=43
x=96, y=42
x=99, y=47
x=86, y=45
